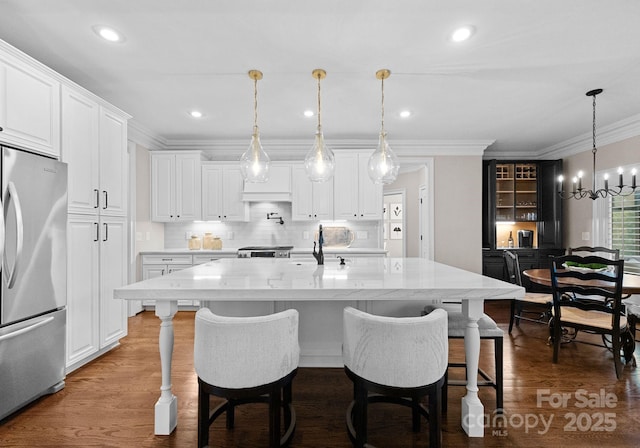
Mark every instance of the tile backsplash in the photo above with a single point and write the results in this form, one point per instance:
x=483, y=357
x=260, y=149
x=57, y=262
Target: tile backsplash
x=260, y=231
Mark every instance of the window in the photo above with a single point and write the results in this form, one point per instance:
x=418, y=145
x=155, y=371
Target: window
x=624, y=233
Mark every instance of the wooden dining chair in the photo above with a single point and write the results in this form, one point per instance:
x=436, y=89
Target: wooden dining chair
x=533, y=303
x=576, y=305
x=598, y=251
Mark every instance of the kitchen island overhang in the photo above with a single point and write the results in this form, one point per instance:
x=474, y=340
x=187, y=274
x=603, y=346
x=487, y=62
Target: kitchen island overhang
x=365, y=283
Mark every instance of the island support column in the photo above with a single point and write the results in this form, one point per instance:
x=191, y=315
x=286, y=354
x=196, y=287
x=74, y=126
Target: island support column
x=472, y=408
x=166, y=409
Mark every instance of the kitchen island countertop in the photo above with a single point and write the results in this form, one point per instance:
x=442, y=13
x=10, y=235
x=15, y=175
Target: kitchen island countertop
x=362, y=282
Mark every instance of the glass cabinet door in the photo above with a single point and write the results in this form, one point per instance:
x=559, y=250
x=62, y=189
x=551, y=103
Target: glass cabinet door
x=516, y=192
x=526, y=195
x=505, y=192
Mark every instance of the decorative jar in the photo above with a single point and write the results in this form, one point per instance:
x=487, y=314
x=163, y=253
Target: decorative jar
x=195, y=243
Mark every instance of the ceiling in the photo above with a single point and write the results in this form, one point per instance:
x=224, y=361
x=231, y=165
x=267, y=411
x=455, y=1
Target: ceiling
x=519, y=81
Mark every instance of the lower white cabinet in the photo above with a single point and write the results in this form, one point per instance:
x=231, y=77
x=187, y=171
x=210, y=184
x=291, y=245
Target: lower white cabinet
x=97, y=254
x=158, y=265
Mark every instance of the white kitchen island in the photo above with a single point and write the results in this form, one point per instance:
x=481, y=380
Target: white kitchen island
x=378, y=285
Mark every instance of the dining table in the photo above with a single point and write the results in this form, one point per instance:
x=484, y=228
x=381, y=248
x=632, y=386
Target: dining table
x=630, y=282
x=364, y=283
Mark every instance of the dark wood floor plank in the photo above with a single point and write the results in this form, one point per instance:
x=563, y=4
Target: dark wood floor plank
x=109, y=403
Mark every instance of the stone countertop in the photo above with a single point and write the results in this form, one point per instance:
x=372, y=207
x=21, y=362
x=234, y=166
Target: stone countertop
x=294, y=251
x=365, y=278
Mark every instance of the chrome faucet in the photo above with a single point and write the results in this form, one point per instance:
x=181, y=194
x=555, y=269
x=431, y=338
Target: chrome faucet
x=319, y=256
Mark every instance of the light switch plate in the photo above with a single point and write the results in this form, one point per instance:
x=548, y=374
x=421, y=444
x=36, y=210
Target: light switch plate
x=305, y=235
x=586, y=236
x=362, y=234
x=138, y=236
x=229, y=235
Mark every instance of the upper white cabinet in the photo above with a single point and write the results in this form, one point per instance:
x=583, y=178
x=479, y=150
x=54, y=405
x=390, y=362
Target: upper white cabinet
x=94, y=146
x=222, y=188
x=176, y=186
x=113, y=163
x=310, y=201
x=355, y=194
x=29, y=107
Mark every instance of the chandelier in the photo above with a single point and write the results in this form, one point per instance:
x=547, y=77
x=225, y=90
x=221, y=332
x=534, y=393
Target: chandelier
x=383, y=163
x=578, y=192
x=254, y=163
x=320, y=161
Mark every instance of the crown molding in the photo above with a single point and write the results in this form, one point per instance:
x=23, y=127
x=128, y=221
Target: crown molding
x=292, y=149
x=145, y=137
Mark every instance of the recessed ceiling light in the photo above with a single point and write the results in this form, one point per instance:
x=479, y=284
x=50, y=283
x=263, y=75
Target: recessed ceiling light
x=108, y=33
x=463, y=33
x=196, y=114
x=308, y=113
x=405, y=113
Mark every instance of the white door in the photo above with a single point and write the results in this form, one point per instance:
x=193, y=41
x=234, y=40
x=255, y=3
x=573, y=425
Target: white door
x=163, y=187
x=233, y=208
x=80, y=121
x=113, y=274
x=83, y=328
x=425, y=232
x=29, y=107
x=188, y=188
x=113, y=164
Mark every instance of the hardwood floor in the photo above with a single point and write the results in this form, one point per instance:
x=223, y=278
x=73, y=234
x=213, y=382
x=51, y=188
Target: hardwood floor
x=109, y=403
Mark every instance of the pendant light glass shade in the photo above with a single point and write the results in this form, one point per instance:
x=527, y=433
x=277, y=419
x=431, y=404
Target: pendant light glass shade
x=255, y=163
x=383, y=164
x=320, y=161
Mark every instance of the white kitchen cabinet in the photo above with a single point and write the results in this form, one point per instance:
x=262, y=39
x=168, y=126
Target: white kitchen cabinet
x=310, y=201
x=276, y=188
x=94, y=147
x=29, y=106
x=222, y=188
x=355, y=194
x=176, y=186
x=158, y=265
x=97, y=250
x=113, y=163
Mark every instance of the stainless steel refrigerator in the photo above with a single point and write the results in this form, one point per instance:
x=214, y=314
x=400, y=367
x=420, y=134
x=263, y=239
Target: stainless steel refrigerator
x=33, y=248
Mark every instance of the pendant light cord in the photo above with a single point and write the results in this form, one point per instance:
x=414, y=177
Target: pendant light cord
x=319, y=110
x=382, y=108
x=255, y=103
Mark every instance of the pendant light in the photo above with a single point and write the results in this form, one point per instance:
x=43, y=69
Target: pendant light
x=383, y=163
x=320, y=161
x=254, y=163
x=577, y=192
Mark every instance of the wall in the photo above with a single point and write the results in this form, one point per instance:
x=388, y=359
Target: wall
x=458, y=211
x=578, y=215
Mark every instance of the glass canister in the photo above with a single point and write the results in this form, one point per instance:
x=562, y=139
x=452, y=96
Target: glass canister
x=195, y=243
x=207, y=241
x=217, y=243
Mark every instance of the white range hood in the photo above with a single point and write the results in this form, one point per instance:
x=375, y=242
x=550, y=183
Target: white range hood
x=276, y=189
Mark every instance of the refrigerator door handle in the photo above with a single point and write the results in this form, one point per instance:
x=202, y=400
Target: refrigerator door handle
x=2, y=233
x=13, y=194
x=24, y=330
